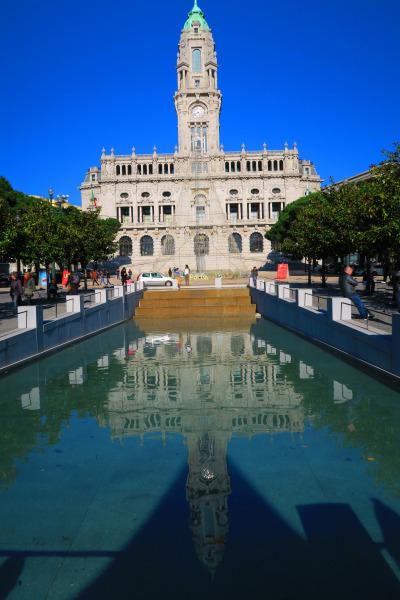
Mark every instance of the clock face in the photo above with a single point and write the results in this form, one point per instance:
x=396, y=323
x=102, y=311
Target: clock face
x=197, y=112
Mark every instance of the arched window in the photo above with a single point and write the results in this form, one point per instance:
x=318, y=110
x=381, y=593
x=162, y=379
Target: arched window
x=226, y=167
x=256, y=242
x=281, y=165
x=118, y=170
x=232, y=167
x=201, y=244
x=160, y=169
x=129, y=169
x=275, y=165
x=235, y=243
x=167, y=245
x=238, y=166
x=270, y=165
x=254, y=165
x=139, y=169
x=260, y=165
x=125, y=246
x=123, y=169
x=144, y=169
x=196, y=60
x=146, y=246
x=172, y=169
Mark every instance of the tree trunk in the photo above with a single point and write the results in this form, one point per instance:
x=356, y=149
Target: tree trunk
x=368, y=287
x=323, y=272
x=309, y=270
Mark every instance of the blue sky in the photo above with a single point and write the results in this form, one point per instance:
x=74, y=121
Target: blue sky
x=80, y=75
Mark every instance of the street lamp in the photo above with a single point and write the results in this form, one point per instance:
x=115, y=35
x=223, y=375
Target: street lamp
x=51, y=194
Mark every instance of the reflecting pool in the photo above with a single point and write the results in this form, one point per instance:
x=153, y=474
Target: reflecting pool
x=197, y=460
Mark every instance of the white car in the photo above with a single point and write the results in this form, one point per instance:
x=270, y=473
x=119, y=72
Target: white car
x=150, y=279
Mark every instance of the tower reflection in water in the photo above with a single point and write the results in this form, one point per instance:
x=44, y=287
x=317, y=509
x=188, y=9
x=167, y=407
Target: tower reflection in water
x=207, y=387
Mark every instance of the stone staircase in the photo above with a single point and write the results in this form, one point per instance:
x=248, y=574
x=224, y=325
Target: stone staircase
x=195, y=303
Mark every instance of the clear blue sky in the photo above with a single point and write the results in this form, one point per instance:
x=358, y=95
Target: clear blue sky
x=78, y=75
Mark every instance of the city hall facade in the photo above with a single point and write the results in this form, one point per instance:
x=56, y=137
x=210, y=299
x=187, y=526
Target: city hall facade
x=202, y=205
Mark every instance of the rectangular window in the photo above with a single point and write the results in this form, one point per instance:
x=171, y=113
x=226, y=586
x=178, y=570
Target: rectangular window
x=199, y=167
x=125, y=214
x=197, y=83
x=93, y=177
x=200, y=214
x=196, y=60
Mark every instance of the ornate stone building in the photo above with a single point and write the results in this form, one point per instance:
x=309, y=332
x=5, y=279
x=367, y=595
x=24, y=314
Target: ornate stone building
x=201, y=205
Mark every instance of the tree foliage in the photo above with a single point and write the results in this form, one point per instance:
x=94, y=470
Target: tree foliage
x=35, y=231
x=359, y=217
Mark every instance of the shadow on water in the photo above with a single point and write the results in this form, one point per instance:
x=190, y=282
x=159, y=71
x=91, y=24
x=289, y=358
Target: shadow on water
x=389, y=522
x=10, y=571
x=264, y=556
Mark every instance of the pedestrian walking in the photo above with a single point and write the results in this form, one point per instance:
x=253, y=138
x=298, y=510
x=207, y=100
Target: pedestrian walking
x=117, y=272
x=254, y=275
x=102, y=279
x=29, y=287
x=348, y=286
x=170, y=272
x=186, y=274
x=52, y=291
x=130, y=274
x=15, y=289
x=94, y=277
x=74, y=281
x=124, y=276
x=108, y=281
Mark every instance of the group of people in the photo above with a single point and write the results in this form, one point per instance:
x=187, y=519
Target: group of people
x=175, y=272
x=103, y=275
x=22, y=286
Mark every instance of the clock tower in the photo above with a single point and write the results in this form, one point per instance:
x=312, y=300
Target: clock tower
x=198, y=99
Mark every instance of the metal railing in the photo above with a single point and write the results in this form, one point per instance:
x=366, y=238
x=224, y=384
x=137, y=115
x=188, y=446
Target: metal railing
x=378, y=317
x=89, y=298
x=319, y=303
x=58, y=309
x=289, y=293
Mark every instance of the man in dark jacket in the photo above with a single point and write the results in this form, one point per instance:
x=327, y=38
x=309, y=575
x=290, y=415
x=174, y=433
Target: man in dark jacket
x=348, y=286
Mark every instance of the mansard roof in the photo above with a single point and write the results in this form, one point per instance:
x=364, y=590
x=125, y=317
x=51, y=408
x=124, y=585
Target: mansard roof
x=196, y=15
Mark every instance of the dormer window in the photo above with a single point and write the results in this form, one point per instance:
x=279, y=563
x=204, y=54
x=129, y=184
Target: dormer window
x=196, y=30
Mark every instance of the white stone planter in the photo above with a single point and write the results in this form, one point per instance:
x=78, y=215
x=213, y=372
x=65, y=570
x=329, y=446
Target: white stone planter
x=218, y=282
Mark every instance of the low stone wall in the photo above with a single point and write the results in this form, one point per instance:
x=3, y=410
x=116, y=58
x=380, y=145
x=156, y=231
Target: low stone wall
x=293, y=308
x=35, y=336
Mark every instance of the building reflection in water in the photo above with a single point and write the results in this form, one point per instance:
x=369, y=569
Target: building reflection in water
x=207, y=387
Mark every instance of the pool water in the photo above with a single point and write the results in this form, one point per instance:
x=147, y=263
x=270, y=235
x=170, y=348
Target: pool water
x=196, y=460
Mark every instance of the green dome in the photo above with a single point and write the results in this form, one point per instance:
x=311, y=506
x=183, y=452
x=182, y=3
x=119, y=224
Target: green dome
x=196, y=14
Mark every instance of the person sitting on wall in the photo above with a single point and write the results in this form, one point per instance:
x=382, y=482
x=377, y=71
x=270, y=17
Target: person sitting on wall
x=348, y=286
